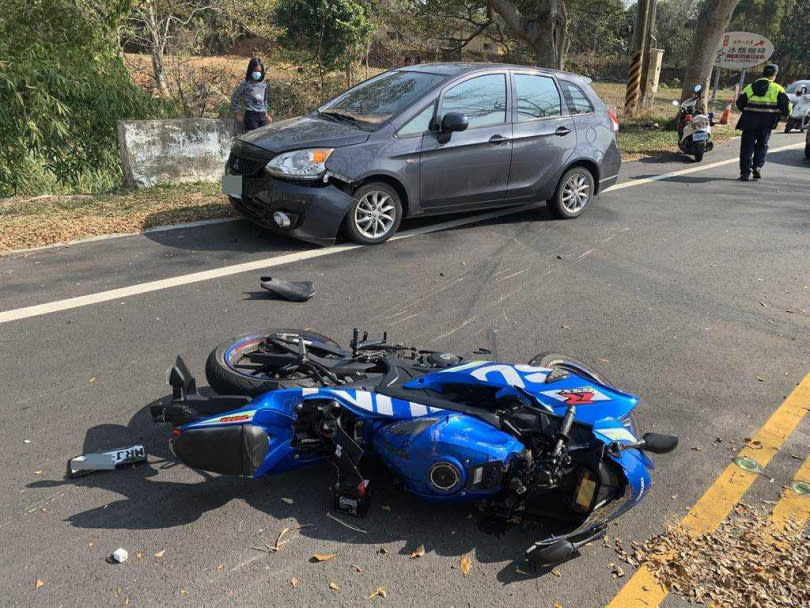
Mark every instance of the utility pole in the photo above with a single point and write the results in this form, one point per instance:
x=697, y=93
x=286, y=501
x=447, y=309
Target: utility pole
x=631, y=98
x=646, y=93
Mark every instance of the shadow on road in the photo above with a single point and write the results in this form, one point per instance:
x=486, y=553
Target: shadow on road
x=150, y=501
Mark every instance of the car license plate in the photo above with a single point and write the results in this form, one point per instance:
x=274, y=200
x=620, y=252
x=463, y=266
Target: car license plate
x=700, y=136
x=232, y=185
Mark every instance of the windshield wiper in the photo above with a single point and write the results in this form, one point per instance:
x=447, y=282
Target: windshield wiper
x=344, y=117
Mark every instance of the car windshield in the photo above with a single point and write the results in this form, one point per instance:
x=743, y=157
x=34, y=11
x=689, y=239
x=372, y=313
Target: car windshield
x=375, y=101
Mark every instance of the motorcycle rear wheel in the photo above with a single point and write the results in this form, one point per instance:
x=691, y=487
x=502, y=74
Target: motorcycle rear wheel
x=227, y=377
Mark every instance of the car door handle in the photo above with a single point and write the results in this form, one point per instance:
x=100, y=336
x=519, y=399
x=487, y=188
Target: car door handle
x=496, y=140
x=562, y=131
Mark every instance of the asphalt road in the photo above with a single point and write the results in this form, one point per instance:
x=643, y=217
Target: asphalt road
x=692, y=291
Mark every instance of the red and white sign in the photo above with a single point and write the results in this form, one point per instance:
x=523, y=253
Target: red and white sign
x=742, y=50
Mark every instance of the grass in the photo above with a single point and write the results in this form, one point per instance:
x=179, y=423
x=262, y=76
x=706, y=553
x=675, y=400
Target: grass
x=44, y=220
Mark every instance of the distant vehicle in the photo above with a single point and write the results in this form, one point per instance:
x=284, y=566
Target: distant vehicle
x=694, y=126
x=796, y=89
x=422, y=140
x=799, y=115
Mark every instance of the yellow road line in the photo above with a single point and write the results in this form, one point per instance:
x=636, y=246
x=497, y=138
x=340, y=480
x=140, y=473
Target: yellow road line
x=642, y=590
x=793, y=505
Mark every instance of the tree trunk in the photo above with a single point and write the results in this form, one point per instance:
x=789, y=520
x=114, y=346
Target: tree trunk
x=156, y=46
x=712, y=23
x=159, y=72
x=545, y=33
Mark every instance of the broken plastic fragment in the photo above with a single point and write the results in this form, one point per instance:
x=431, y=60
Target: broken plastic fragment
x=748, y=464
x=801, y=487
x=107, y=460
x=120, y=555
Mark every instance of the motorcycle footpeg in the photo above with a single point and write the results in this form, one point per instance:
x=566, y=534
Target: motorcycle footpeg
x=353, y=501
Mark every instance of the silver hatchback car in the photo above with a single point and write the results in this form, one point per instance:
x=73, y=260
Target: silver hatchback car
x=427, y=139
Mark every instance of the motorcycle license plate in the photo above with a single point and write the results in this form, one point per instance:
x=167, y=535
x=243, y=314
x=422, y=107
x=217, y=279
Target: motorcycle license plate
x=232, y=185
x=700, y=136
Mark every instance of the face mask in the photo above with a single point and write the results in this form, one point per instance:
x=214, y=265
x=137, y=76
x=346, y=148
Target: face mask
x=256, y=75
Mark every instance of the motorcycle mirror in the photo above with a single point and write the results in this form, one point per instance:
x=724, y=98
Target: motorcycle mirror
x=698, y=88
x=547, y=555
x=658, y=443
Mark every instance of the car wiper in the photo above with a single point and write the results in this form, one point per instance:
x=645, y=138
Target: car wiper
x=343, y=117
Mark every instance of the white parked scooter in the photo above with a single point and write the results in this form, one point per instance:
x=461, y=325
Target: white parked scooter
x=800, y=114
x=694, y=126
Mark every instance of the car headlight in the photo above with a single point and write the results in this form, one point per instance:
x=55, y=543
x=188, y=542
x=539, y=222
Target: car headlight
x=301, y=164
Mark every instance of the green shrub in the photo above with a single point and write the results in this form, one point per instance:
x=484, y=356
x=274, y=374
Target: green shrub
x=62, y=90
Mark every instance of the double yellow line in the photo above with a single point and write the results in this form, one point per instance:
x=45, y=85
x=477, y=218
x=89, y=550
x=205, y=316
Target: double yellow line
x=642, y=590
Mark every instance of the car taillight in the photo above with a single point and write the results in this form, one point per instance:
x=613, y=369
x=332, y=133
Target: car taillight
x=614, y=120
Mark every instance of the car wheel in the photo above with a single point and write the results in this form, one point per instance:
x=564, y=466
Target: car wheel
x=807, y=151
x=574, y=193
x=375, y=215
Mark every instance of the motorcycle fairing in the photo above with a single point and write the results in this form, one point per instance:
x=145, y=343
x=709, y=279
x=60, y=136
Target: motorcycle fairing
x=366, y=402
x=594, y=401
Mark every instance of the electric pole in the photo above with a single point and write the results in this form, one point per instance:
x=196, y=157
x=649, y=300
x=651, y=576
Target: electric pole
x=631, y=99
x=646, y=93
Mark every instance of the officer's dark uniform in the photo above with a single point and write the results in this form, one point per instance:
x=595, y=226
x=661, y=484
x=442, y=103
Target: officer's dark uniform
x=762, y=103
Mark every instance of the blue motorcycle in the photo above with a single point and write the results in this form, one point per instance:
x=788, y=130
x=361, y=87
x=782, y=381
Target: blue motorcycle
x=551, y=438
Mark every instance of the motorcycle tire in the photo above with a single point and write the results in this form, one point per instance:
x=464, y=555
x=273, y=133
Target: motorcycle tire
x=225, y=379
x=789, y=125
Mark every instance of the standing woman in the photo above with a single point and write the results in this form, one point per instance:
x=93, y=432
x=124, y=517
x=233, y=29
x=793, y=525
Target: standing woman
x=249, y=99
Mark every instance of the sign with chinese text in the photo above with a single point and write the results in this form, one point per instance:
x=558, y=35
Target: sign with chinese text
x=742, y=50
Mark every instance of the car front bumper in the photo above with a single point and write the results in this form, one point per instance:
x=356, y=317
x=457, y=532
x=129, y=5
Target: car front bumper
x=316, y=210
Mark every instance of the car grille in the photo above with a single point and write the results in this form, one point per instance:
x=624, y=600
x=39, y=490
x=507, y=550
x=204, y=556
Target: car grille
x=244, y=166
x=247, y=159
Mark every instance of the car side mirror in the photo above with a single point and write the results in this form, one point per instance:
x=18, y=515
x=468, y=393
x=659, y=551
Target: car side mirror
x=454, y=121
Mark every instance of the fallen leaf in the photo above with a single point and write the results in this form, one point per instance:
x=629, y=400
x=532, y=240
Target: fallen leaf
x=357, y=568
x=557, y=605
x=39, y=583
x=183, y=591
x=90, y=545
x=466, y=564
x=566, y=327
x=617, y=571
x=418, y=552
x=160, y=554
x=334, y=586
x=760, y=378
x=91, y=380
x=379, y=591
x=382, y=550
x=294, y=582
x=556, y=573
x=322, y=557
x=139, y=554
x=604, y=360
x=221, y=567
x=37, y=472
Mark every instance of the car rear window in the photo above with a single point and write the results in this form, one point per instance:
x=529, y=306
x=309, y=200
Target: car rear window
x=575, y=98
x=537, y=97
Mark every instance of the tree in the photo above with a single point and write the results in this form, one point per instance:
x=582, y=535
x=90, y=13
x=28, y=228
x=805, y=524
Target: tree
x=152, y=24
x=542, y=24
x=597, y=27
x=333, y=33
x=63, y=88
x=675, y=23
x=793, y=44
x=762, y=17
x=712, y=21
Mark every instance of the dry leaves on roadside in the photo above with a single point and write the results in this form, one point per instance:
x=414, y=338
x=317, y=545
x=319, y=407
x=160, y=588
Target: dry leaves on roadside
x=378, y=592
x=323, y=557
x=334, y=586
x=746, y=561
x=357, y=568
x=466, y=564
x=160, y=554
x=39, y=583
x=294, y=582
x=418, y=552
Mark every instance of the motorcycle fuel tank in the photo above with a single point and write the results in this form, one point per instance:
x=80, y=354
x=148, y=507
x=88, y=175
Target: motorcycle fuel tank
x=447, y=458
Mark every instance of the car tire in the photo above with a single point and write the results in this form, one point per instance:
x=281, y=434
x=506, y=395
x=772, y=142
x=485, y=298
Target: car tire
x=807, y=151
x=574, y=193
x=375, y=215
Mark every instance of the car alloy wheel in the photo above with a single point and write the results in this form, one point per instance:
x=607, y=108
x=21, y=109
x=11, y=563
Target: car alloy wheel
x=576, y=192
x=375, y=215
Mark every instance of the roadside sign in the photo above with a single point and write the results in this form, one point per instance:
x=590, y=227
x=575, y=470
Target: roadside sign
x=742, y=50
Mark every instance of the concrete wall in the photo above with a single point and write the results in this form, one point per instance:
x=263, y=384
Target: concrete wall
x=176, y=150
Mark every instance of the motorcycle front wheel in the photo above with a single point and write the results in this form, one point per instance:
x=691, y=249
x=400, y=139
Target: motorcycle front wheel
x=230, y=370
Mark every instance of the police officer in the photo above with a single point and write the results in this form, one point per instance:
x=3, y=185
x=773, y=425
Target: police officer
x=762, y=103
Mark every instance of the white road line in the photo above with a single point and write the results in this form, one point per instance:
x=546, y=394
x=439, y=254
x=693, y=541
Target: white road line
x=298, y=256
x=658, y=178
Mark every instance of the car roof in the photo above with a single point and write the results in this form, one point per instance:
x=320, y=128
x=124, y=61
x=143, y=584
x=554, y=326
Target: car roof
x=457, y=68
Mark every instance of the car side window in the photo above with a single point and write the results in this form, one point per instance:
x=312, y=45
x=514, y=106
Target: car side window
x=482, y=99
x=419, y=123
x=575, y=98
x=537, y=97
